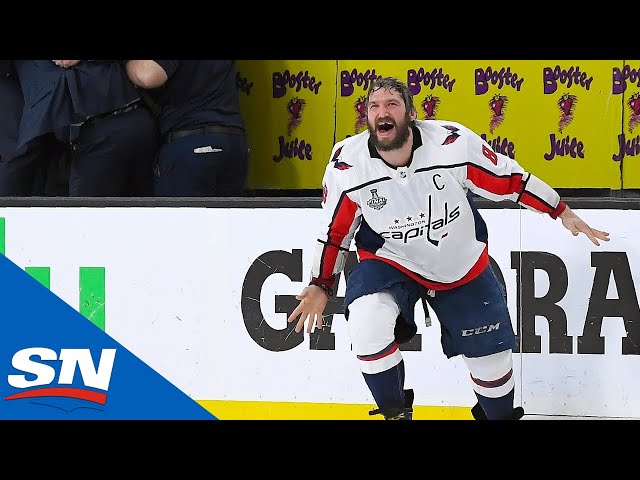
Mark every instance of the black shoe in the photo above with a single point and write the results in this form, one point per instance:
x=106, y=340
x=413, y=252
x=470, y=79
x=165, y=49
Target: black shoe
x=405, y=413
x=408, y=404
x=516, y=414
x=478, y=413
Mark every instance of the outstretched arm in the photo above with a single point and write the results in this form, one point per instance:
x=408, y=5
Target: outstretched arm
x=498, y=177
x=341, y=217
x=575, y=225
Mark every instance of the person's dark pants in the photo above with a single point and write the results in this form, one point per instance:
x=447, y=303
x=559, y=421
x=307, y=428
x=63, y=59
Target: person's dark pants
x=12, y=103
x=112, y=156
x=56, y=178
x=22, y=171
x=23, y=174
x=202, y=165
x=29, y=171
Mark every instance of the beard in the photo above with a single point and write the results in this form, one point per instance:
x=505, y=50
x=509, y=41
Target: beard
x=394, y=143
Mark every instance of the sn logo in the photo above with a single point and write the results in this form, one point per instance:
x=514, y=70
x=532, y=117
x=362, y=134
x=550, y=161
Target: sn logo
x=42, y=375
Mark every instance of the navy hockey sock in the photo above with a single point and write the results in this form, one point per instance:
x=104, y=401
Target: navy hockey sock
x=387, y=387
x=497, y=408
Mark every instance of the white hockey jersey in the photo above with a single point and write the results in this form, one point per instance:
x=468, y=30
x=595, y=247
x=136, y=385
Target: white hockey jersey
x=419, y=217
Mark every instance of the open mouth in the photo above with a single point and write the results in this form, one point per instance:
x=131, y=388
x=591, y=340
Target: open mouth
x=385, y=127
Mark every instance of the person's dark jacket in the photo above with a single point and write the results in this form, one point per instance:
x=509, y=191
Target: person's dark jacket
x=10, y=112
x=56, y=97
x=198, y=93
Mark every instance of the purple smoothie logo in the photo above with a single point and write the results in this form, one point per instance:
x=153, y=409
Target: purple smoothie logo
x=282, y=82
x=567, y=105
x=360, y=106
x=573, y=77
x=349, y=80
x=431, y=79
x=430, y=106
x=634, y=116
x=621, y=80
x=497, y=107
x=566, y=146
x=295, y=107
x=500, y=78
x=630, y=147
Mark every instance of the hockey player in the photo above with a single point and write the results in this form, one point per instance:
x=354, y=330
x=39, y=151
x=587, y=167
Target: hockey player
x=401, y=190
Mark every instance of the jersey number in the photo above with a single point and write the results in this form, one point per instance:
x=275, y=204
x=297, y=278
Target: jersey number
x=490, y=154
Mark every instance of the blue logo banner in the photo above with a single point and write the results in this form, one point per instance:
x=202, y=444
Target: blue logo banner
x=57, y=365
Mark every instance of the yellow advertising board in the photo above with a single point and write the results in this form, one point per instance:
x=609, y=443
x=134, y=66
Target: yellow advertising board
x=560, y=119
x=438, y=88
x=626, y=84
x=574, y=121
x=554, y=118
x=289, y=111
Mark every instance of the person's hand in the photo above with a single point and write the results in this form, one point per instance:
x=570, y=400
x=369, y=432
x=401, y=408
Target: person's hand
x=575, y=225
x=66, y=63
x=313, y=299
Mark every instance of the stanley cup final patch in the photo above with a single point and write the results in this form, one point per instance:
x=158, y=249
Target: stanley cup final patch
x=376, y=201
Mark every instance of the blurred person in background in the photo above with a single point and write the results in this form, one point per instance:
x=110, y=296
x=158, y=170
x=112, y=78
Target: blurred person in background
x=204, y=151
x=92, y=107
x=25, y=171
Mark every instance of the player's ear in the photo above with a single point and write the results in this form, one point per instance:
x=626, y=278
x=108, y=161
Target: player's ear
x=413, y=114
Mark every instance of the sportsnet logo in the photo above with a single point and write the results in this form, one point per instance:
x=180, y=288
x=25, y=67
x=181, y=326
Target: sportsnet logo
x=45, y=374
x=58, y=364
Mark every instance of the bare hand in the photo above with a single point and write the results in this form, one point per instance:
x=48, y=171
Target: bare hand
x=575, y=225
x=313, y=299
x=66, y=63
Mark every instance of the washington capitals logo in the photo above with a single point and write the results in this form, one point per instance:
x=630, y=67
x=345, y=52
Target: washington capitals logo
x=340, y=165
x=453, y=136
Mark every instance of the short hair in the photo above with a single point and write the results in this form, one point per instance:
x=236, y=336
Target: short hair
x=392, y=83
